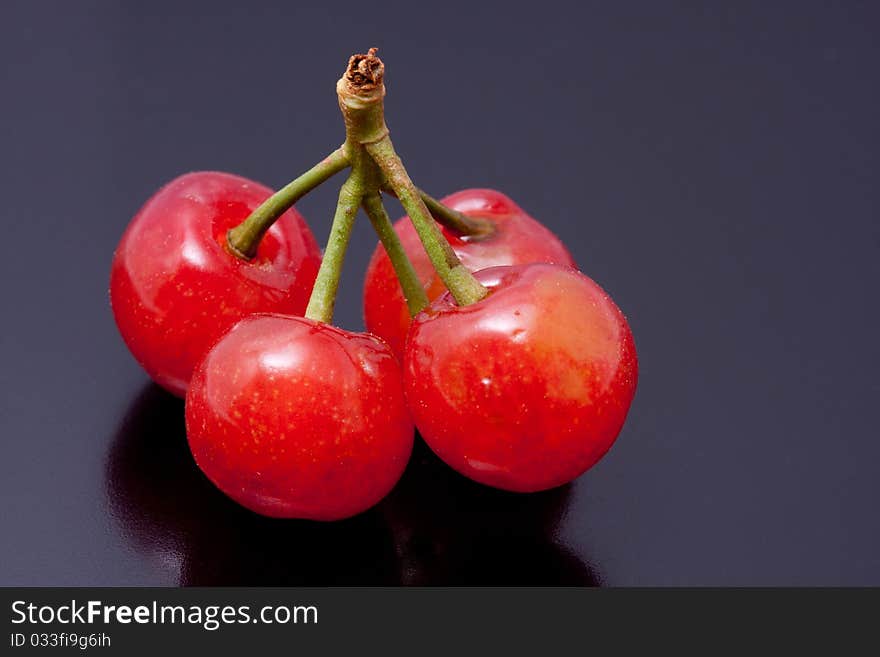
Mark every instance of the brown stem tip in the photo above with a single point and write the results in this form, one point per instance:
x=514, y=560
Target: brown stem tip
x=365, y=72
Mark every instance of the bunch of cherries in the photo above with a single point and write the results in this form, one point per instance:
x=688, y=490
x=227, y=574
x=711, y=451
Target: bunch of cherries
x=517, y=369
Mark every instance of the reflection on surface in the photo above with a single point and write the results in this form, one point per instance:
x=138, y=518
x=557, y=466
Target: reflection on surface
x=451, y=530
x=435, y=528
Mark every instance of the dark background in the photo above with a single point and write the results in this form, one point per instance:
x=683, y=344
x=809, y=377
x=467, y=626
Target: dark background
x=712, y=165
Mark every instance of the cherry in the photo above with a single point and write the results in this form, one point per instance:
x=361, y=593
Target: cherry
x=176, y=287
x=527, y=388
x=515, y=238
x=294, y=418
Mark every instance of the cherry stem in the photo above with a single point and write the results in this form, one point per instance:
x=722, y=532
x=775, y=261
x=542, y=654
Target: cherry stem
x=323, y=298
x=244, y=238
x=361, y=93
x=416, y=298
x=459, y=281
x=374, y=166
x=458, y=222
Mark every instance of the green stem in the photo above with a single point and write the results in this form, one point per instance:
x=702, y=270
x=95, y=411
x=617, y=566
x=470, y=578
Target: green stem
x=461, y=283
x=457, y=222
x=361, y=93
x=244, y=238
x=323, y=297
x=416, y=299
x=370, y=154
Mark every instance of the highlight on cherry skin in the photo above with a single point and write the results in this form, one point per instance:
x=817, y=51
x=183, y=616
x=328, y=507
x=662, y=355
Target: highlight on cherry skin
x=517, y=239
x=528, y=388
x=175, y=287
x=294, y=418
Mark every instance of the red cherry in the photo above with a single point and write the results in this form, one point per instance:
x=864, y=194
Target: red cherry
x=518, y=240
x=293, y=418
x=527, y=388
x=174, y=286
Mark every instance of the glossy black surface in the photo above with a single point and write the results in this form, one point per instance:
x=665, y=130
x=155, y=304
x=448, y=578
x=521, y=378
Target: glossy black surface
x=714, y=167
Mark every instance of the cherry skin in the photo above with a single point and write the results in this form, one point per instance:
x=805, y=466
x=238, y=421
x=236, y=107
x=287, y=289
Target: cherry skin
x=529, y=387
x=293, y=418
x=175, y=288
x=518, y=239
